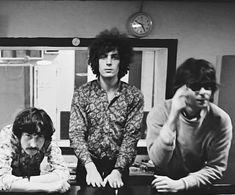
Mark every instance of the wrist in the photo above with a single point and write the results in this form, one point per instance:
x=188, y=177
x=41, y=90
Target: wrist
x=119, y=169
x=182, y=185
x=172, y=120
x=168, y=135
x=90, y=167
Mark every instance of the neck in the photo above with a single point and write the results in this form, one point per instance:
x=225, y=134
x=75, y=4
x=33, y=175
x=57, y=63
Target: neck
x=190, y=113
x=109, y=84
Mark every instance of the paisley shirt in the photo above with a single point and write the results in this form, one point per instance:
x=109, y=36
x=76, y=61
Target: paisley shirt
x=100, y=128
x=15, y=163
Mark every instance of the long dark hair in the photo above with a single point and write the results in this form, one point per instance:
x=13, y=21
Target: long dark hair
x=33, y=120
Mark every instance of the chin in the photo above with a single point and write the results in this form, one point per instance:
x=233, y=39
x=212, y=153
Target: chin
x=31, y=153
x=108, y=75
x=203, y=105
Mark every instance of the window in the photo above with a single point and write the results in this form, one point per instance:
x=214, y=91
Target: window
x=49, y=81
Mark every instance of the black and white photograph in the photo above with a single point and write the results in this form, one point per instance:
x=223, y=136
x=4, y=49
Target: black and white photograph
x=117, y=97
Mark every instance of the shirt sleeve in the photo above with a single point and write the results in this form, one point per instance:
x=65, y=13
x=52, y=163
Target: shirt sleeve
x=6, y=177
x=132, y=132
x=159, y=151
x=78, y=128
x=216, y=164
x=56, y=161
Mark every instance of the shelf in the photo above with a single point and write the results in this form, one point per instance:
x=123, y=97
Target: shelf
x=21, y=54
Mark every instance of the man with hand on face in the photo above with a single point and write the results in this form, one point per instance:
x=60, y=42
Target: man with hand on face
x=23, y=147
x=189, y=137
x=106, y=115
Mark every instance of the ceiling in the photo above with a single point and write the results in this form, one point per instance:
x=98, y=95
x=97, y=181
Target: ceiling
x=133, y=0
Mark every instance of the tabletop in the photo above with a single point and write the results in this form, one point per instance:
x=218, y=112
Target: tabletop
x=219, y=189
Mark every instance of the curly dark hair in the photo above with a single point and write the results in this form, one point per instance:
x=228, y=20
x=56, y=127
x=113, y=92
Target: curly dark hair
x=195, y=71
x=107, y=41
x=33, y=120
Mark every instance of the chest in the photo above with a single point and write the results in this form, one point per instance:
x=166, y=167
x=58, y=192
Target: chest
x=191, y=138
x=108, y=107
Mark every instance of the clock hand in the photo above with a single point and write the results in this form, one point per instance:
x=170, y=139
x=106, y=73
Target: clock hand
x=140, y=24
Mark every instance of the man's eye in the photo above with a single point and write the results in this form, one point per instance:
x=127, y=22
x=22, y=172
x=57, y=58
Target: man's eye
x=116, y=57
x=27, y=135
x=209, y=87
x=102, y=56
x=40, y=136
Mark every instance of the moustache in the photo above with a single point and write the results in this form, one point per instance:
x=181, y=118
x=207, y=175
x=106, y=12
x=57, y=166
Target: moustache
x=29, y=148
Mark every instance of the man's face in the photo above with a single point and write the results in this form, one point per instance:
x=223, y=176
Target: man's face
x=31, y=143
x=109, y=64
x=200, y=96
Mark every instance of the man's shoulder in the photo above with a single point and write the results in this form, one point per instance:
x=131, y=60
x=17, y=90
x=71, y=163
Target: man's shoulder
x=87, y=86
x=219, y=113
x=6, y=131
x=51, y=147
x=162, y=107
x=6, y=135
x=131, y=89
x=84, y=90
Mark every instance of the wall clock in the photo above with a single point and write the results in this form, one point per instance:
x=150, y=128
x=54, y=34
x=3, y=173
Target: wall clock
x=139, y=24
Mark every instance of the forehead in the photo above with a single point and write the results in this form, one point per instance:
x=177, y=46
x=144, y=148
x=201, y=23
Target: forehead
x=112, y=52
x=32, y=134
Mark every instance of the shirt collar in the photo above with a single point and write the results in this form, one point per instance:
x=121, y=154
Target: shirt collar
x=201, y=116
x=100, y=89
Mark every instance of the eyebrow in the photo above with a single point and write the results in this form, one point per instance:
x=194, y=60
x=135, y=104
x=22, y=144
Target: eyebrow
x=115, y=54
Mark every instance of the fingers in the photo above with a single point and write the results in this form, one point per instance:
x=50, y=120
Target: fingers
x=62, y=186
x=113, y=182
x=158, y=179
x=159, y=182
x=116, y=184
x=95, y=182
x=164, y=184
x=65, y=187
x=104, y=182
x=184, y=91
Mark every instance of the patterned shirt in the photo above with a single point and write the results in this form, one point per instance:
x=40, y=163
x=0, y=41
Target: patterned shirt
x=15, y=163
x=100, y=128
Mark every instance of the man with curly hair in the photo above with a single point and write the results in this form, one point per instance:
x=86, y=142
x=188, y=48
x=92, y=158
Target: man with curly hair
x=106, y=115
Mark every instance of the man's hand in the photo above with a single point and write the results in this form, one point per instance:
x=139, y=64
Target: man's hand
x=93, y=176
x=179, y=102
x=58, y=186
x=180, y=99
x=114, y=179
x=165, y=184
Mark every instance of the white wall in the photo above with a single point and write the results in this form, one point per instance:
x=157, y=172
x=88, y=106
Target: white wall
x=204, y=29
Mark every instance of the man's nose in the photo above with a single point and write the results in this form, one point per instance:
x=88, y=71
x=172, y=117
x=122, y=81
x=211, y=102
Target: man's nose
x=202, y=91
x=108, y=61
x=33, y=142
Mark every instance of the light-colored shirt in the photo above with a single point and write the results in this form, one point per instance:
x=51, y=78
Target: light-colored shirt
x=15, y=163
x=100, y=128
x=200, y=151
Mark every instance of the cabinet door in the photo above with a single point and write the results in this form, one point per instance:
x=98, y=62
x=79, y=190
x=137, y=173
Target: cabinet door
x=15, y=92
x=45, y=97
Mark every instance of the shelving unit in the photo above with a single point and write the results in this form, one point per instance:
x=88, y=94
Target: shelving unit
x=21, y=54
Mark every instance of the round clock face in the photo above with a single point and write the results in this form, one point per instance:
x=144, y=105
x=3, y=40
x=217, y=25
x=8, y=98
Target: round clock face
x=140, y=24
